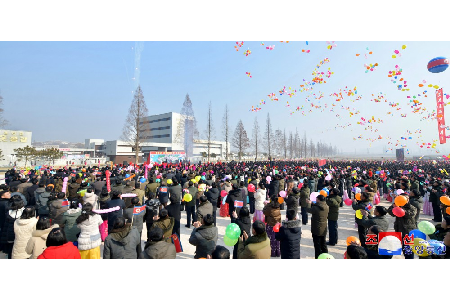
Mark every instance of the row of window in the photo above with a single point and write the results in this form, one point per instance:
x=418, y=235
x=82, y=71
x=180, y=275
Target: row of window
x=154, y=121
x=157, y=136
x=158, y=128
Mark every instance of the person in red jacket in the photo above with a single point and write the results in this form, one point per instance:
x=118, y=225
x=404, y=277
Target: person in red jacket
x=58, y=247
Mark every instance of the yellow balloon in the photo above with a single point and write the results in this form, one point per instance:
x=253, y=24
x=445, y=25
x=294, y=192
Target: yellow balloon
x=420, y=247
x=359, y=214
x=393, y=56
x=404, y=47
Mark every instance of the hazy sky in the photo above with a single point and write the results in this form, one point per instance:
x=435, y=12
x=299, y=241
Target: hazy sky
x=76, y=90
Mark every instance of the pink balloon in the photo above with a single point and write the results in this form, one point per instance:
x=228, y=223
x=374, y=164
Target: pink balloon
x=223, y=193
x=399, y=191
x=348, y=202
x=283, y=194
x=398, y=212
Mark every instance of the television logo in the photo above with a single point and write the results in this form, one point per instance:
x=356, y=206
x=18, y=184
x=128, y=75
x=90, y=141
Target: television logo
x=390, y=243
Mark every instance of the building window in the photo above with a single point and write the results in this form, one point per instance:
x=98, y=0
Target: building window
x=155, y=121
x=157, y=136
x=157, y=128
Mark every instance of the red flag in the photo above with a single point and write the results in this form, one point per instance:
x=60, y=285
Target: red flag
x=322, y=162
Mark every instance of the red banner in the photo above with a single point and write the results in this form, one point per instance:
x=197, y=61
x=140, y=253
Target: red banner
x=108, y=181
x=440, y=116
x=322, y=162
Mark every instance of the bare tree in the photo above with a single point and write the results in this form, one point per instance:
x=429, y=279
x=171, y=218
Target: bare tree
x=240, y=139
x=226, y=130
x=305, y=145
x=3, y=122
x=285, y=144
x=255, y=137
x=268, y=135
x=278, y=140
x=291, y=145
x=297, y=146
x=312, y=148
x=209, y=132
x=136, y=128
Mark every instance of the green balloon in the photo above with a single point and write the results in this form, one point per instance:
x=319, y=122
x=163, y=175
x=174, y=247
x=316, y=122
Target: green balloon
x=228, y=241
x=427, y=227
x=233, y=231
x=325, y=256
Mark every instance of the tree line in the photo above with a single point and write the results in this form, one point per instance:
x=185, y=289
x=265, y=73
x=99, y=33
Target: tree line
x=28, y=153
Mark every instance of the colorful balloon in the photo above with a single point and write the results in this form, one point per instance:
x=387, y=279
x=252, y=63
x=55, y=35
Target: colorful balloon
x=233, y=231
x=437, y=64
x=426, y=227
x=398, y=212
x=351, y=239
x=445, y=200
x=358, y=196
x=400, y=200
x=323, y=193
x=418, y=234
x=283, y=194
x=348, y=202
x=420, y=247
x=251, y=188
x=325, y=256
x=187, y=197
x=229, y=242
x=280, y=200
x=313, y=196
x=276, y=228
x=358, y=214
x=223, y=193
x=142, y=180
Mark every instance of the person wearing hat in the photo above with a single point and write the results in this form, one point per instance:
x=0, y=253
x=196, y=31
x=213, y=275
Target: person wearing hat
x=166, y=223
x=333, y=201
x=379, y=218
x=257, y=246
x=435, y=195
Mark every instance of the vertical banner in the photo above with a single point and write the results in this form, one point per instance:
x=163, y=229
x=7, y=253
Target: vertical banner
x=440, y=115
x=146, y=172
x=108, y=181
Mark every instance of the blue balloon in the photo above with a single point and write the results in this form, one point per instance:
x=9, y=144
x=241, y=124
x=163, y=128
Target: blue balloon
x=418, y=234
x=142, y=180
x=127, y=175
x=438, y=64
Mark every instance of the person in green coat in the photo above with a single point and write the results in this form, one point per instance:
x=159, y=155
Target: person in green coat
x=304, y=197
x=379, y=219
x=334, y=202
x=362, y=205
x=69, y=223
x=319, y=214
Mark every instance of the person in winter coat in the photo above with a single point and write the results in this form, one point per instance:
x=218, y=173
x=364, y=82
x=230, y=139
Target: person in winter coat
x=37, y=243
x=234, y=200
x=116, y=200
x=58, y=247
x=379, y=219
x=89, y=240
x=136, y=221
x=151, y=187
x=118, y=187
x=29, y=194
x=204, y=237
x=293, y=199
x=166, y=223
x=23, y=230
x=312, y=184
x=334, y=202
x=42, y=201
x=273, y=216
x=213, y=196
x=69, y=222
x=257, y=246
x=416, y=200
x=244, y=222
x=363, y=204
x=190, y=206
x=91, y=197
x=319, y=214
x=4, y=207
x=124, y=241
x=162, y=193
x=128, y=189
x=289, y=236
x=441, y=229
x=260, y=198
x=274, y=187
x=435, y=195
x=251, y=195
x=156, y=248
x=205, y=208
x=406, y=223
x=139, y=193
x=13, y=213
x=304, y=197
x=57, y=208
x=72, y=189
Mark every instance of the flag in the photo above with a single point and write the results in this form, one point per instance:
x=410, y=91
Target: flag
x=137, y=210
x=238, y=203
x=322, y=162
x=65, y=203
x=369, y=207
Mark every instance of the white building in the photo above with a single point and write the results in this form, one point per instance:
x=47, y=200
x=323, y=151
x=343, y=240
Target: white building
x=10, y=140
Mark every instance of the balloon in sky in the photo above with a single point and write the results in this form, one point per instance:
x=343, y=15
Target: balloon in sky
x=438, y=64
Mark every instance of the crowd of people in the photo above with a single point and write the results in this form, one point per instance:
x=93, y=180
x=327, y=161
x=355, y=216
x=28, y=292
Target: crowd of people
x=68, y=213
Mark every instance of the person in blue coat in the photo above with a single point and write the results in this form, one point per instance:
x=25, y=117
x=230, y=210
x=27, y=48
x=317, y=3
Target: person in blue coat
x=289, y=236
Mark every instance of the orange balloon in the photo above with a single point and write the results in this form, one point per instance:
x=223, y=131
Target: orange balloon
x=445, y=200
x=447, y=210
x=351, y=239
x=358, y=196
x=400, y=200
x=280, y=200
x=323, y=193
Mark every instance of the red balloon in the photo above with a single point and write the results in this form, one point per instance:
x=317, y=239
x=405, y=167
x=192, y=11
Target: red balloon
x=300, y=185
x=251, y=188
x=398, y=212
x=276, y=228
x=223, y=193
x=348, y=202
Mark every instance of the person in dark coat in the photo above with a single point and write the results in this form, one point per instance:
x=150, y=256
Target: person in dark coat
x=416, y=200
x=245, y=224
x=30, y=192
x=293, y=200
x=274, y=187
x=319, y=216
x=137, y=220
x=124, y=241
x=406, y=223
x=103, y=202
x=251, y=196
x=156, y=248
x=334, y=202
x=4, y=207
x=304, y=197
x=362, y=205
x=98, y=186
x=174, y=208
x=435, y=195
x=72, y=189
x=204, y=237
x=162, y=193
x=205, y=208
x=213, y=195
x=190, y=206
x=289, y=236
x=7, y=234
x=234, y=195
x=379, y=219
x=115, y=201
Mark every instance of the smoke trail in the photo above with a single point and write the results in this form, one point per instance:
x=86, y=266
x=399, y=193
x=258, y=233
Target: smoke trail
x=138, y=48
